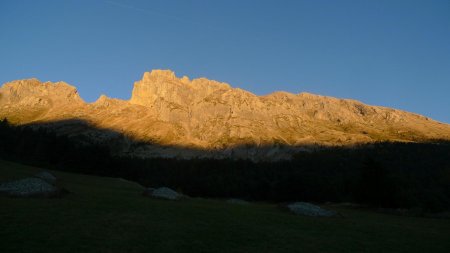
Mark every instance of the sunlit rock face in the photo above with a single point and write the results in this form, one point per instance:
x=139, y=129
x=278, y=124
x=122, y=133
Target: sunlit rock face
x=28, y=100
x=205, y=115
x=160, y=85
x=32, y=92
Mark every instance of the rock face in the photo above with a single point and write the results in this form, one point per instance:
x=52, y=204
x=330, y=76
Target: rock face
x=32, y=92
x=162, y=86
x=307, y=209
x=29, y=187
x=211, y=119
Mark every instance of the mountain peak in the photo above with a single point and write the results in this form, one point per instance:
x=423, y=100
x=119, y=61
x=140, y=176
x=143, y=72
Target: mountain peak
x=103, y=98
x=18, y=90
x=159, y=74
x=159, y=85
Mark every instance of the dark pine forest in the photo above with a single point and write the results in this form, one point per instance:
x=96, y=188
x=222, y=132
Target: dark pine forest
x=385, y=174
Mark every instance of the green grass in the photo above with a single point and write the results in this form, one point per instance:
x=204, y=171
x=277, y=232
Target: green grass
x=110, y=215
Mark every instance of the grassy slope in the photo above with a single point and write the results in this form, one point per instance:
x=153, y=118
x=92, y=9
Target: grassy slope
x=110, y=215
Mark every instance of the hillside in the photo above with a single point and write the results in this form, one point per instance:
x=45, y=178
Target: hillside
x=110, y=215
x=202, y=114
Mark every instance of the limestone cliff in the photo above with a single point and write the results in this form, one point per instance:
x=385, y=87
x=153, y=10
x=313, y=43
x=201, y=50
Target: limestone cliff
x=208, y=115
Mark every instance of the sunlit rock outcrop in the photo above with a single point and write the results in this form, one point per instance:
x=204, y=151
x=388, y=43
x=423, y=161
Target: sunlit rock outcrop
x=32, y=92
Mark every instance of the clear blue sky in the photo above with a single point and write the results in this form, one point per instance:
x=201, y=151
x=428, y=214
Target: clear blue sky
x=390, y=53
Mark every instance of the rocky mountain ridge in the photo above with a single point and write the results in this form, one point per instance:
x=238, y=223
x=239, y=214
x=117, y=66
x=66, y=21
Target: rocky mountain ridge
x=202, y=117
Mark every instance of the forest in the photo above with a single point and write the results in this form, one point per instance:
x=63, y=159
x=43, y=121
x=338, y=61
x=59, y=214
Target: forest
x=384, y=174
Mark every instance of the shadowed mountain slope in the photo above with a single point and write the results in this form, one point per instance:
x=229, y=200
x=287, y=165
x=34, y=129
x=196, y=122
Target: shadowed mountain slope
x=202, y=114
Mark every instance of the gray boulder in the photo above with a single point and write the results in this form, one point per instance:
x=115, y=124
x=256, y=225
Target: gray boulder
x=307, y=209
x=47, y=176
x=166, y=193
x=29, y=187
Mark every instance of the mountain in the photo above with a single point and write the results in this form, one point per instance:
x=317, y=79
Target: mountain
x=179, y=117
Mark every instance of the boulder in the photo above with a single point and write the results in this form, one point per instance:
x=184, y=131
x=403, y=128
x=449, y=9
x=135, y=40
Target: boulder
x=166, y=193
x=308, y=209
x=46, y=176
x=30, y=187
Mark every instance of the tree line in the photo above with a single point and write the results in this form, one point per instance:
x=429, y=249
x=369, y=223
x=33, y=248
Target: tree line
x=385, y=174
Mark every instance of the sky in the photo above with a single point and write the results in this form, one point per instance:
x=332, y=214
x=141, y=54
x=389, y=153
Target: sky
x=391, y=53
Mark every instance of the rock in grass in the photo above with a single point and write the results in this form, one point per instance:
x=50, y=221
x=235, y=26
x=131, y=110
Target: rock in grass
x=46, y=176
x=30, y=187
x=166, y=193
x=307, y=209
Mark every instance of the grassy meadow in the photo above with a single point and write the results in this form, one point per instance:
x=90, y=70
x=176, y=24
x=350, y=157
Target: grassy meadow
x=110, y=215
